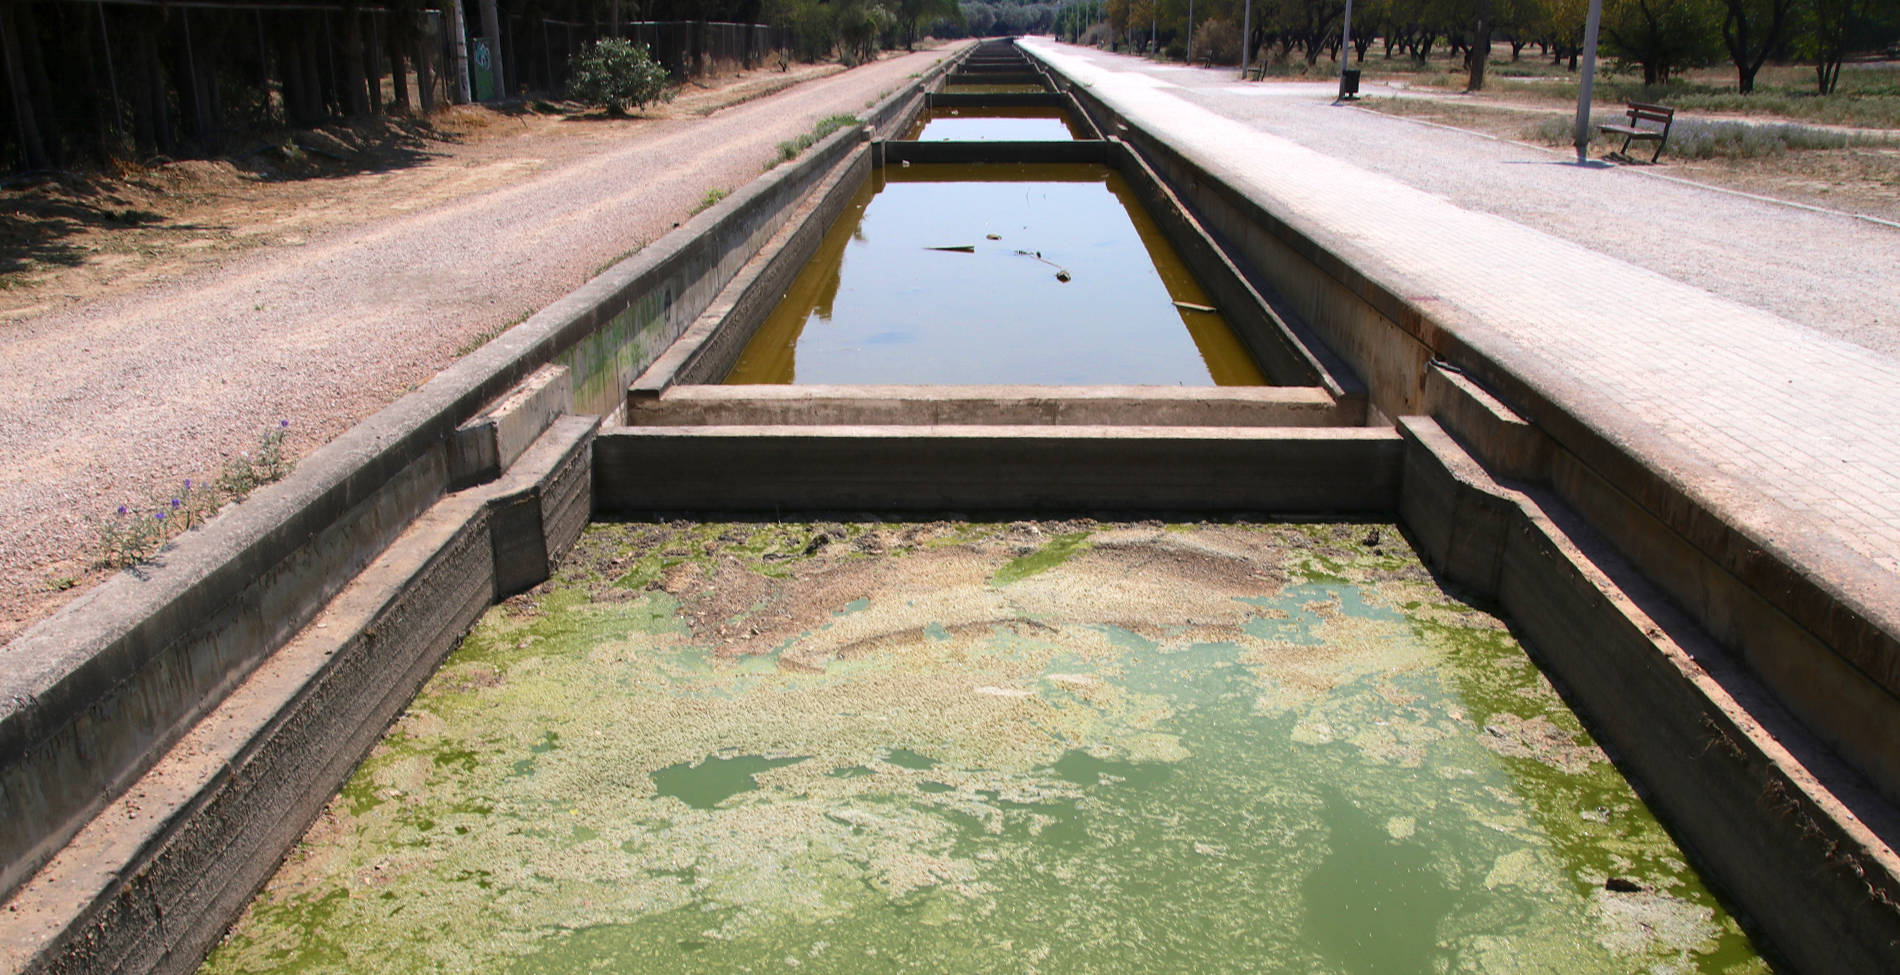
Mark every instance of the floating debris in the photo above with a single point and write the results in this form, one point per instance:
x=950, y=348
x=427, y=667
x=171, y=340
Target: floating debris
x=1191, y=306
x=955, y=249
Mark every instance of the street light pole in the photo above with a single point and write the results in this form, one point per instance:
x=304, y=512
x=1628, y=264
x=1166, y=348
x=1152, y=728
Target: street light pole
x=1190, y=31
x=1345, y=47
x=1588, y=81
x=1246, y=38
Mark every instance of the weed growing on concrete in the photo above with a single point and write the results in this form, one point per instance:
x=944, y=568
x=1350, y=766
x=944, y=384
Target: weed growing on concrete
x=487, y=335
x=134, y=532
x=623, y=255
x=790, y=148
x=712, y=196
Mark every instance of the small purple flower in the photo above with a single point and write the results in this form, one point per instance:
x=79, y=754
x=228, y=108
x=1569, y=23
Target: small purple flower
x=187, y=483
x=160, y=515
x=283, y=424
x=121, y=511
x=174, y=504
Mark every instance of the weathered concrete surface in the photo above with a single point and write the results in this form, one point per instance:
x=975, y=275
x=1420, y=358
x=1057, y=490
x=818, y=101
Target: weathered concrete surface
x=1701, y=425
x=1791, y=834
x=91, y=697
x=151, y=882
x=824, y=405
x=899, y=468
x=705, y=351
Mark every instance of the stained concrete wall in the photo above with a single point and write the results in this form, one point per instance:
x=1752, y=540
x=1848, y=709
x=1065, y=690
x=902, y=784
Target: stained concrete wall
x=1785, y=831
x=90, y=698
x=1811, y=639
x=1015, y=469
x=151, y=883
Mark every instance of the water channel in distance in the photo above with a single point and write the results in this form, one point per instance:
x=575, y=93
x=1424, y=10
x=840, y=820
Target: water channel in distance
x=950, y=746
x=993, y=123
x=1039, y=273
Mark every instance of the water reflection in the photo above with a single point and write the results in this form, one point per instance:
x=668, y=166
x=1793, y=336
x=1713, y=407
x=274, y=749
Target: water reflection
x=1036, y=274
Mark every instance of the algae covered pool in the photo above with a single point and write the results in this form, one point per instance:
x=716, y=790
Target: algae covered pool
x=1054, y=747
x=996, y=273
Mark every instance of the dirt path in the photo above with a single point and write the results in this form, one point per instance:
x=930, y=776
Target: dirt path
x=325, y=305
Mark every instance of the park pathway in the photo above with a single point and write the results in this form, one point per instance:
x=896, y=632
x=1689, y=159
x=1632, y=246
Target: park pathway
x=1760, y=409
x=109, y=402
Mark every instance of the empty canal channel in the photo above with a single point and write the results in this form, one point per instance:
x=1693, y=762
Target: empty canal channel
x=960, y=549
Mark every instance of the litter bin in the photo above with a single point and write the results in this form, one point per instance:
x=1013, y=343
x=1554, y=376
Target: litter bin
x=1349, y=82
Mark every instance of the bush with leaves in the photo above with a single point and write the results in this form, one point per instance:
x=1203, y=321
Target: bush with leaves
x=616, y=73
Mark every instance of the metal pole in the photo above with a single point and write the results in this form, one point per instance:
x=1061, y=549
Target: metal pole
x=1588, y=81
x=1246, y=38
x=1345, y=47
x=1190, y=31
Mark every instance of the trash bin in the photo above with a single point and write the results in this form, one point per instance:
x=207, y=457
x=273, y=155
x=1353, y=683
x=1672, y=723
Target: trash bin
x=1349, y=82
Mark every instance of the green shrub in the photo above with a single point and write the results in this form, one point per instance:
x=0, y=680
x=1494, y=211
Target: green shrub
x=615, y=73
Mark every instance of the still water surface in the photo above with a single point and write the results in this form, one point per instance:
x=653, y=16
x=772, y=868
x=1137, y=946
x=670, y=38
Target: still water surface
x=1066, y=280
x=996, y=123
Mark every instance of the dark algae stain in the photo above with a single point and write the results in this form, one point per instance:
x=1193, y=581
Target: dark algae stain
x=850, y=747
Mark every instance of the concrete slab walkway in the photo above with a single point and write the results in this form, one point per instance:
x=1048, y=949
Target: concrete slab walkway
x=1787, y=432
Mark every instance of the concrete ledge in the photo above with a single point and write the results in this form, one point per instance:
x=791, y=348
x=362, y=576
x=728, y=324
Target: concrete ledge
x=706, y=351
x=1050, y=151
x=1792, y=837
x=827, y=405
x=1023, y=469
x=1014, y=99
x=151, y=883
x=492, y=442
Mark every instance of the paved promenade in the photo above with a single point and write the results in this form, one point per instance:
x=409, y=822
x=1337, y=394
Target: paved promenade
x=1792, y=433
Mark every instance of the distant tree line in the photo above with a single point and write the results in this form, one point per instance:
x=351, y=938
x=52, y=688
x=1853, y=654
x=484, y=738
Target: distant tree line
x=93, y=79
x=1662, y=37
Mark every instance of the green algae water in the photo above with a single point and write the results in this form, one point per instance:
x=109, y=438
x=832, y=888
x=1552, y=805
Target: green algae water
x=996, y=273
x=1074, y=747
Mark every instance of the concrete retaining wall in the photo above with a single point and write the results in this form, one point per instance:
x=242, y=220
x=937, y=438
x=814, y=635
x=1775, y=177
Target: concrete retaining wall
x=1780, y=827
x=92, y=697
x=150, y=884
x=1015, y=469
x=827, y=405
x=1820, y=648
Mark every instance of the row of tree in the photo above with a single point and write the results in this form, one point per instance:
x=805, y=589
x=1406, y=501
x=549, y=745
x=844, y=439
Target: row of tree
x=127, y=78
x=1660, y=36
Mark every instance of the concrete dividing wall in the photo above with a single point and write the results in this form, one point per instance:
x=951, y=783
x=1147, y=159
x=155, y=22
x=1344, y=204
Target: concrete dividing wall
x=1787, y=833
x=92, y=697
x=1002, y=468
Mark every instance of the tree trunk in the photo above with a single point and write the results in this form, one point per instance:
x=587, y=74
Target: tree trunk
x=423, y=39
x=398, y=69
x=32, y=148
x=1480, y=48
x=40, y=87
x=373, y=64
x=354, y=93
x=491, y=28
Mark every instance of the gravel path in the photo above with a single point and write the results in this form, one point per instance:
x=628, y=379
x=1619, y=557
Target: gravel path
x=1830, y=272
x=114, y=401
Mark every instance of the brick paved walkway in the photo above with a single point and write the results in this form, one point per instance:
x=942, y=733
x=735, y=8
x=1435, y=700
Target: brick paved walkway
x=1792, y=435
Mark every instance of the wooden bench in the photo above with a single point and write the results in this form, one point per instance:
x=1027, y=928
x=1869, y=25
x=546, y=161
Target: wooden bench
x=1635, y=132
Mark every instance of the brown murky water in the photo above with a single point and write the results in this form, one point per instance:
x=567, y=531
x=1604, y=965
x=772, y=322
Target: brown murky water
x=994, y=123
x=1060, y=278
